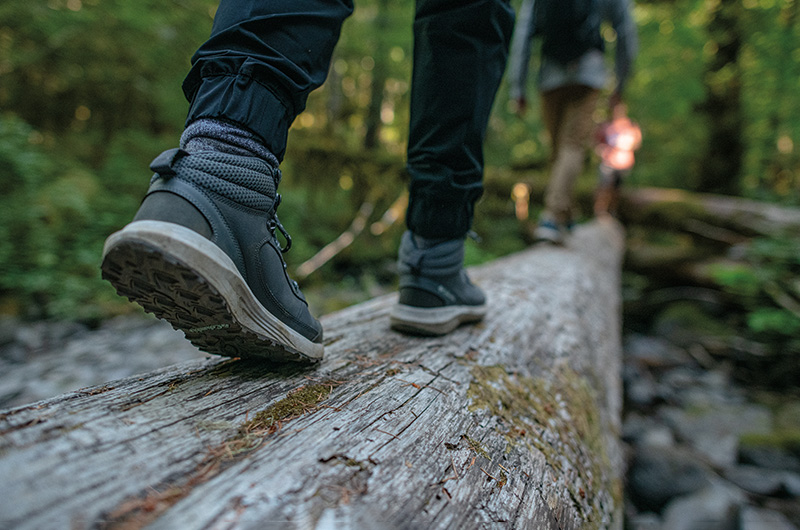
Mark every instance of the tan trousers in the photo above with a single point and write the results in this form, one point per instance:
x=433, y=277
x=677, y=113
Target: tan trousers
x=567, y=113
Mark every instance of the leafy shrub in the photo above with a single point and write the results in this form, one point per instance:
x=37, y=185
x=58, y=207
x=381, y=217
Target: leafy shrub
x=767, y=286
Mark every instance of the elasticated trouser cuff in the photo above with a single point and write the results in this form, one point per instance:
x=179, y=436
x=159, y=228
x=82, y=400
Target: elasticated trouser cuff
x=220, y=90
x=261, y=62
x=439, y=210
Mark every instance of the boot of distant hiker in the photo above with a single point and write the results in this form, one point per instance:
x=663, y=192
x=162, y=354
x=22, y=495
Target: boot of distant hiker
x=551, y=230
x=436, y=295
x=202, y=253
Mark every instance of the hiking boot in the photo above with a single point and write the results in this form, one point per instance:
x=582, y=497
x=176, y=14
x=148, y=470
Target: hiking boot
x=551, y=231
x=436, y=295
x=202, y=254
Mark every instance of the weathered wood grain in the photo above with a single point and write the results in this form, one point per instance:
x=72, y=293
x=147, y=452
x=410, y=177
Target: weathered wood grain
x=512, y=423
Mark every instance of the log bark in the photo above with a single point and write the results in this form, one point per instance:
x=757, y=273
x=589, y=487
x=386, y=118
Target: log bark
x=511, y=423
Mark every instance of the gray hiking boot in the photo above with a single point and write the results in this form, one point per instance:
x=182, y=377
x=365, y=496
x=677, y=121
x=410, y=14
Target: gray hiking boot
x=551, y=231
x=202, y=254
x=436, y=295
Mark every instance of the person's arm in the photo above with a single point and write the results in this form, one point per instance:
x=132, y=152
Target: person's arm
x=621, y=17
x=520, y=56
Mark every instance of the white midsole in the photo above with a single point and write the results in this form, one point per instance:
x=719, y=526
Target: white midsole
x=211, y=263
x=437, y=316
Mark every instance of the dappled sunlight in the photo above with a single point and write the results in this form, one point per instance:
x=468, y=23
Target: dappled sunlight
x=521, y=193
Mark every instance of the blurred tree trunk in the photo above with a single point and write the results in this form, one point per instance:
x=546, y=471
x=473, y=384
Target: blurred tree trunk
x=334, y=103
x=778, y=166
x=721, y=164
x=379, y=75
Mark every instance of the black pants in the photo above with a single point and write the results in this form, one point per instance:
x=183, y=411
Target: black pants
x=265, y=56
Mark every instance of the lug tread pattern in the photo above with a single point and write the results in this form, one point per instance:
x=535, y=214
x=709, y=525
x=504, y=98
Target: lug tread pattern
x=172, y=291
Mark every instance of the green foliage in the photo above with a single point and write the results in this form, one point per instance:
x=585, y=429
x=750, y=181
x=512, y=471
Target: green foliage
x=83, y=70
x=49, y=242
x=774, y=321
x=369, y=81
x=740, y=279
x=90, y=92
x=767, y=286
x=771, y=73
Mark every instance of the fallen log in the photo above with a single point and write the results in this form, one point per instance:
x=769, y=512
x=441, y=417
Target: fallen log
x=677, y=237
x=721, y=218
x=513, y=422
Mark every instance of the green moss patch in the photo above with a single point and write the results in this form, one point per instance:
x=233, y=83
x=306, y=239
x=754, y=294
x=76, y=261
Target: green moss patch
x=556, y=416
x=296, y=403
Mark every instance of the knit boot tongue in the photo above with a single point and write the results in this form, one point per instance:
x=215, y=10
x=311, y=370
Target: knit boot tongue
x=215, y=135
x=246, y=181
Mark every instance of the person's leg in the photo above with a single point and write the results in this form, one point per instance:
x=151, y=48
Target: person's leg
x=262, y=61
x=603, y=195
x=460, y=51
x=552, y=112
x=574, y=132
x=202, y=251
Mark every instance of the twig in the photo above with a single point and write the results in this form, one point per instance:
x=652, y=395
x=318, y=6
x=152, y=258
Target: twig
x=488, y=475
x=391, y=215
x=453, y=463
x=337, y=245
x=472, y=463
x=390, y=434
x=419, y=386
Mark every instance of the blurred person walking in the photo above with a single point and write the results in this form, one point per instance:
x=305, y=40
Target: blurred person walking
x=572, y=72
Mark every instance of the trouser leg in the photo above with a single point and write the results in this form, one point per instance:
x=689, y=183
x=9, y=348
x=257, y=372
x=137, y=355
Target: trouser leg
x=568, y=115
x=460, y=51
x=552, y=111
x=261, y=62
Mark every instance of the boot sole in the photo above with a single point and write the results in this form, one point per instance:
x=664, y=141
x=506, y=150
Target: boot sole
x=548, y=235
x=183, y=278
x=433, y=321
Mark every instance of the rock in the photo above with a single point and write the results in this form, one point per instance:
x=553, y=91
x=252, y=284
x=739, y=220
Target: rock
x=753, y=518
x=714, y=430
x=686, y=385
x=641, y=390
x=659, y=474
x=770, y=457
x=39, y=336
x=757, y=480
x=13, y=353
x=653, y=352
x=48, y=359
x=640, y=430
x=715, y=507
x=644, y=521
x=791, y=482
